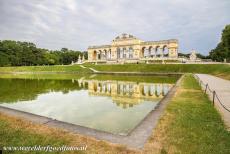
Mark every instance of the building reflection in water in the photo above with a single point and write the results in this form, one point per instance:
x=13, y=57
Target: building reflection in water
x=126, y=94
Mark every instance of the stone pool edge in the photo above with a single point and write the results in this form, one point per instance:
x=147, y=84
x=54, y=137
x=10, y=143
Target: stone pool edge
x=135, y=139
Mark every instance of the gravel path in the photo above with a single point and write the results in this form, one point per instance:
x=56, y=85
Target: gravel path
x=222, y=88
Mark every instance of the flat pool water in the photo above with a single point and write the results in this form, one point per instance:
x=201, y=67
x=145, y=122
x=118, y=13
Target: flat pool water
x=114, y=104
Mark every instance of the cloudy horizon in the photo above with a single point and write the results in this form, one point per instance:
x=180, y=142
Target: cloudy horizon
x=78, y=24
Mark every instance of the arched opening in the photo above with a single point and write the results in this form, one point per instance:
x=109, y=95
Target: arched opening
x=151, y=90
x=103, y=88
x=109, y=87
x=104, y=54
x=165, y=51
x=145, y=91
x=95, y=87
x=130, y=53
x=157, y=51
x=94, y=55
x=124, y=53
x=99, y=55
x=131, y=89
x=159, y=89
x=118, y=53
x=143, y=52
x=109, y=54
x=151, y=52
x=146, y=52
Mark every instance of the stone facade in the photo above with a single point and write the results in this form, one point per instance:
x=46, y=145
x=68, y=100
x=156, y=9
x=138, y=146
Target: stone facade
x=127, y=48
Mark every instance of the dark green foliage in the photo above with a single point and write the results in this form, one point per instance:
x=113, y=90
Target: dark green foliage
x=16, y=53
x=222, y=51
x=13, y=90
x=12, y=87
x=183, y=55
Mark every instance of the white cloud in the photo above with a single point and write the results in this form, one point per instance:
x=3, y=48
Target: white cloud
x=77, y=24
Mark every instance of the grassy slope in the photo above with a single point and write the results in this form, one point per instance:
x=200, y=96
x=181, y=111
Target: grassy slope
x=191, y=68
x=221, y=70
x=56, y=68
x=63, y=76
x=190, y=124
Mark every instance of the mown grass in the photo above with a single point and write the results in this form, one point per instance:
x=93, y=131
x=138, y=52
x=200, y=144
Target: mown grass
x=63, y=76
x=181, y=68
x=53, y=76
x=17, y=132
x=222, y=70
x=191, y=124
x=55, y=68
x=13, y=136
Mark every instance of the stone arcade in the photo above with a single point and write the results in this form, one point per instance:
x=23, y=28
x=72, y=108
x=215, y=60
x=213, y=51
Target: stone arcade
x=129, y=49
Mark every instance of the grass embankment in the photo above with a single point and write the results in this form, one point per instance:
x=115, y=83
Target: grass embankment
x=221, y=70
x=190, y=124
x=55, y=68
x=102, y=77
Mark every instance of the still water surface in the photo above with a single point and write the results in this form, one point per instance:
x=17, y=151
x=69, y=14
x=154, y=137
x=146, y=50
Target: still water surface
x=114, y=104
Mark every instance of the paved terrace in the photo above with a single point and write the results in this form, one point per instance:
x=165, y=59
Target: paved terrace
x=222, y=89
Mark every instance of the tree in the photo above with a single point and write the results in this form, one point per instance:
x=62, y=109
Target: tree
x=4, y=60
x=222, y=51
x=64, y=49
x=16, y=53
x=85, y=54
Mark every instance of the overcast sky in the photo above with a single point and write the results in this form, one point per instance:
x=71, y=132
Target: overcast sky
x=76, y=24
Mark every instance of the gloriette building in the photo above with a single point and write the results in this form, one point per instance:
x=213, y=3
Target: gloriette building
x=129, y=49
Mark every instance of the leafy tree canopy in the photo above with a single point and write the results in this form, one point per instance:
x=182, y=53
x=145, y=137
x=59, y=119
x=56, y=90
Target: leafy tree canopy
x=222, y=51
x=16, y=53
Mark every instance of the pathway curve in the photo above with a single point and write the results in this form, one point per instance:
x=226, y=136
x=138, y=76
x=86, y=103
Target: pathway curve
x=82, y=66
x=222, y=88
x=95, y=71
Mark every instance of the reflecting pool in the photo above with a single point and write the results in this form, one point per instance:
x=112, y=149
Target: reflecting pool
x=114, y=104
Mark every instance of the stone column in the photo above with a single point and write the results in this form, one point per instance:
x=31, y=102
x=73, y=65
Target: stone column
x=124, y=53
x=149, y=53
x=96, y=55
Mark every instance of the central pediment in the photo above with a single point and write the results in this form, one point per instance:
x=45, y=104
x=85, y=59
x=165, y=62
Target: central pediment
x=125, y=39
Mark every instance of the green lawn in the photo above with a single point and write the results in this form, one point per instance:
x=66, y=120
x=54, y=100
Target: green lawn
x=182, y=68
x=191, y=124
x=55, y=68
x=221, y=70
x=16, y=132
x=13, y=136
